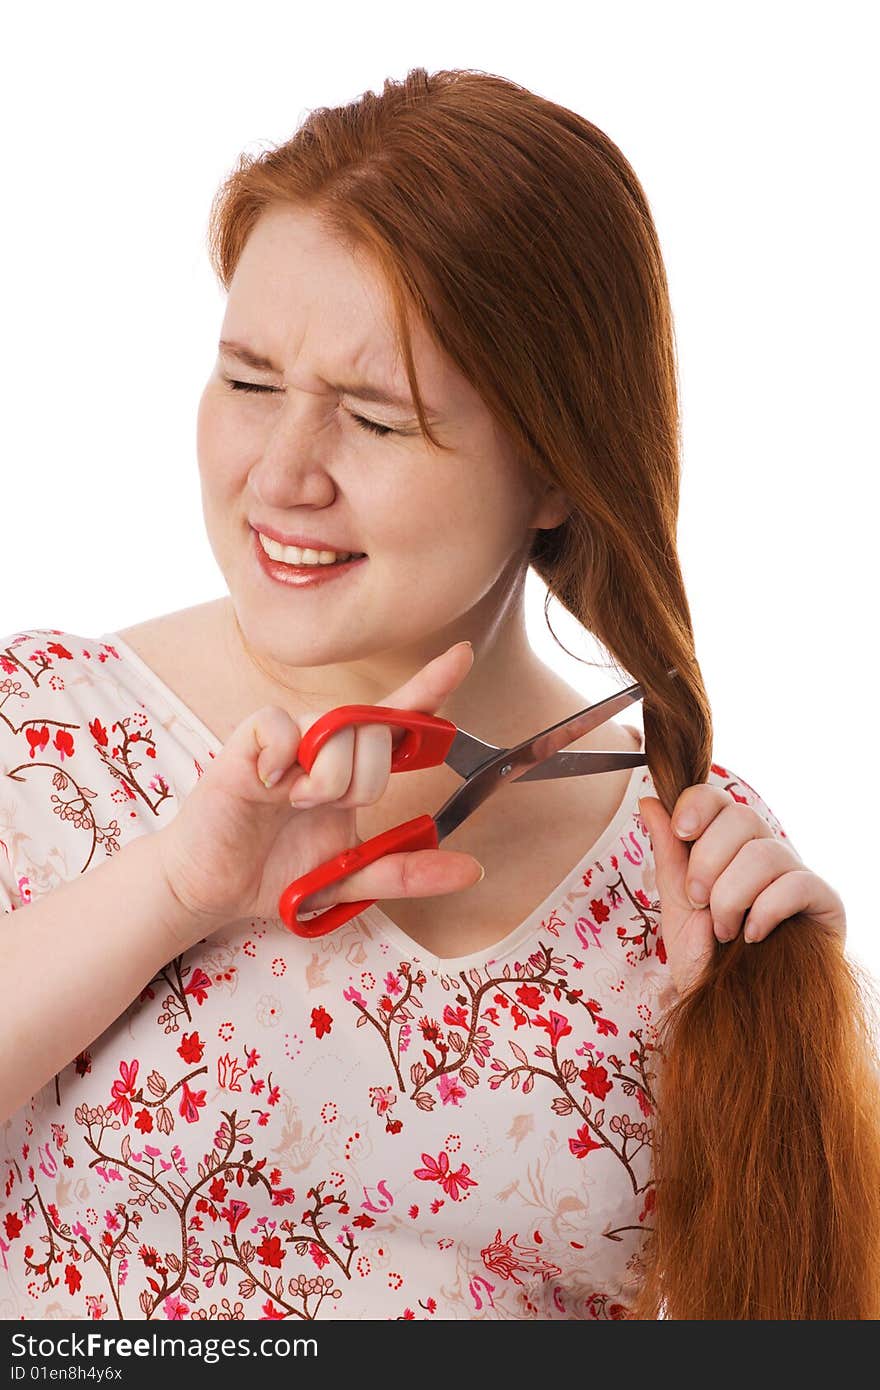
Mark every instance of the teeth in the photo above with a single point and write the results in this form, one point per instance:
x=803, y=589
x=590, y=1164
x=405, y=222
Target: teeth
x=293, y=555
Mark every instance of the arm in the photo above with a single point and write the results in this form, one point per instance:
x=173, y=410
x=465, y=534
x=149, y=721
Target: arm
x=72, y=962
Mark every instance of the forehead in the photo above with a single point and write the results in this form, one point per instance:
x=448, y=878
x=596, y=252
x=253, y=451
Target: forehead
x=301, y=298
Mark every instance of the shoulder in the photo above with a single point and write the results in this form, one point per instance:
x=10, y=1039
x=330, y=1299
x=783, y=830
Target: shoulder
x=741, y=791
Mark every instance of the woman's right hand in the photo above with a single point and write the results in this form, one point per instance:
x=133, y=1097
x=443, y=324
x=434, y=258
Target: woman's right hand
x=235, y=844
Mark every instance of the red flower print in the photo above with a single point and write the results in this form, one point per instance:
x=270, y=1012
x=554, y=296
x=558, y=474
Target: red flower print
x=143, y=1121
x=519, y=1017
x=83, y=1063
x=318, y=1255
x=37, y=738
x=438, y=1170
x=270, y=1252
x=661, y=950
x=363, y=1222
x=63, y=743
x=191, y=1048
x=198, y=986
x=122, y=1090
x=583, y=1144
x=531, y=996
x=217, y=1190
x=601, y=912
x=430, y=1029
x=321, y=1021
x=235, y=1213
x=557, y=1025
x=72, y=1278
x=270, y=1311
x=190, y=1102
x=456, y=1018
x=98, y=732
x=58, y=649
x=149, y=1255
x=596, y=1081
x=13, y=1225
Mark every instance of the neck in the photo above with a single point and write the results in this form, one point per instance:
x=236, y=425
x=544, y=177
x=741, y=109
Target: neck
x=507, y=695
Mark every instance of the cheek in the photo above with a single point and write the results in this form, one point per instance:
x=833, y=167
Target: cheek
x=221, y=453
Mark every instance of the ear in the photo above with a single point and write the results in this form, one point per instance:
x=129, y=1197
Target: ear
x=552, y=507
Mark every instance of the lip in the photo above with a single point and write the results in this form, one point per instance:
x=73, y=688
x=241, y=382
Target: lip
x=301, y=576
x=304, y=542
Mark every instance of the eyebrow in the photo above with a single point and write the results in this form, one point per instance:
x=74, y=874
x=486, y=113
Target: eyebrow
x=361, y=390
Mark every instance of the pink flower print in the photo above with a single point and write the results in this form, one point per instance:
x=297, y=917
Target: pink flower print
x=37, y=738
x=383, y=1097
x=451, y=1089
x=175, y=1309
x=122, y=1091
x=392, y=983
x=63, y=743
x=438, y=1170
x=508, y=1258
x=583, y=1144
x=557, y=1025
x=354, y=996
x=190, y=1103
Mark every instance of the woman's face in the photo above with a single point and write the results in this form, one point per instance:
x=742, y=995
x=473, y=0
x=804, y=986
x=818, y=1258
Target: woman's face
x=445, y=534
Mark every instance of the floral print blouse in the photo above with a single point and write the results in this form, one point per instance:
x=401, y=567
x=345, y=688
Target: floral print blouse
x=340, y=1128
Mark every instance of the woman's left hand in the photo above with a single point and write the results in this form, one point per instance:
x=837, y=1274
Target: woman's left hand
x=733, y=866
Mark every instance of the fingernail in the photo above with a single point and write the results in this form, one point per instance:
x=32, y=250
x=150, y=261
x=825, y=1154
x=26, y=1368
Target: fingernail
x=482, y=874
x=697, y=895
x=303, y=805
x=685, y=825
x=271, y=779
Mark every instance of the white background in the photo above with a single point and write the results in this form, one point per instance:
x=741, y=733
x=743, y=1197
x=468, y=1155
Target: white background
x=753, y=133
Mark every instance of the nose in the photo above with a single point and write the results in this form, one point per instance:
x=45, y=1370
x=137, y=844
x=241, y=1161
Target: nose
x=295, y=467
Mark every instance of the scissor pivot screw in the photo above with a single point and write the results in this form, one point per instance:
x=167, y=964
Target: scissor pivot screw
x=508, y=767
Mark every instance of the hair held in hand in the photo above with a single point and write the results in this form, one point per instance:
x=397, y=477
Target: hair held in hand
x=520, y=234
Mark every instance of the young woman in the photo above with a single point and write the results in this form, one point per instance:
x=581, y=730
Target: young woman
x=446, y=355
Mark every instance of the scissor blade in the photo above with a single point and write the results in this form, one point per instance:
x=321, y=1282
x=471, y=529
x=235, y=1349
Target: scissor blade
x=581, y=762
x=511, y=764
x=467, y=753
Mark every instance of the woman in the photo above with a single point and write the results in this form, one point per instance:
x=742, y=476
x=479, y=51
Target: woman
x=446, y=355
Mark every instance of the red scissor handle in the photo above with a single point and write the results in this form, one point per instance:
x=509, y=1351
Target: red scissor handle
x=427, y=741
x=420, y=833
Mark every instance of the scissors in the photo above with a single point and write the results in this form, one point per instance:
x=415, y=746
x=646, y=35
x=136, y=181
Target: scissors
x=429, y=742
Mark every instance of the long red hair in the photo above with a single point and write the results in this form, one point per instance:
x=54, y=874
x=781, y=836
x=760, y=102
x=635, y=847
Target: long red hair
x=520, y=234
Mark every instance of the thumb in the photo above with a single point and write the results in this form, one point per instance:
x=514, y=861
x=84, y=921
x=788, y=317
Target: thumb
x=430, y=687
x=670, y=860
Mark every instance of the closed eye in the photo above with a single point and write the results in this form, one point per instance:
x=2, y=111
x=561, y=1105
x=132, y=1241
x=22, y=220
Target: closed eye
x=364, y=424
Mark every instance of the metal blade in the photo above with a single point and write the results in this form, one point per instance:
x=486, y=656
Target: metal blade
x=508, y=765
x=580, y=763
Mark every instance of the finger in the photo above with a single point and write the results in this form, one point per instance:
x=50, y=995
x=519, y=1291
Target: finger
x=734, y=826
x=372, y=766
x=433, y=684
x=269, y=741
x=330, y=773
x=411, y=874
x=670, y=862
x=798, y=890
x=696, y=808
x=756, y=865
